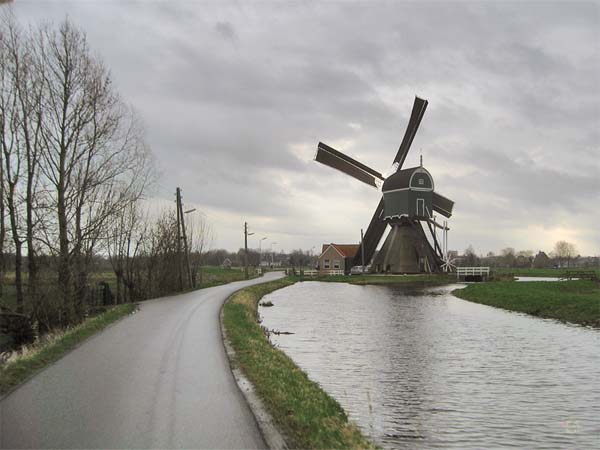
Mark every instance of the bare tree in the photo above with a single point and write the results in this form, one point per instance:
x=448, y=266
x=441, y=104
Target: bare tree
x=564, y=250
x=73, y=163
x=10, y=123
x=508, y=256
x=94, y=162
x=470, y=258
x=200, y=237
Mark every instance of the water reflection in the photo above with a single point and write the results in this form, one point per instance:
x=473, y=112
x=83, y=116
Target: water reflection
x=419, y=368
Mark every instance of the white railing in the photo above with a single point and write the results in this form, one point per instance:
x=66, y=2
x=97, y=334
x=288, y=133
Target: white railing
x=334, y=272
x=315, y=273
x=310, y=273
x=472, y=272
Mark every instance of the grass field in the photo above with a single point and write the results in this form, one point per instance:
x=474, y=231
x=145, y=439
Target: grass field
x=208, y=277
x=569, y=301
x=307, y=416
x=215, y=275
x=32, y=359
x=530, y=272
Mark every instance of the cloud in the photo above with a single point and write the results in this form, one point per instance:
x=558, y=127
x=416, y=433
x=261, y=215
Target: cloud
x=235, y=97
x=226, y=31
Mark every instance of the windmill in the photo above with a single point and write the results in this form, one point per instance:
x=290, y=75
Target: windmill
x=407, y=205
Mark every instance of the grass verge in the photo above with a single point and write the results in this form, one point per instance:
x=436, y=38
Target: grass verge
x=305, y=414
x=569, y=301
x=32, y=359
x=422, y=280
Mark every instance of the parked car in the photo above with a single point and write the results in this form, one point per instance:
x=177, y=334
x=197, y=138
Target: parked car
x=358, y=270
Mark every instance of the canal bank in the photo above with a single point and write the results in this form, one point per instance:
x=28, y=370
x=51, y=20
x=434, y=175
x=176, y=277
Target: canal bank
x=574, y=301
x=420, y=368
x=416, y=280
x=304, y=413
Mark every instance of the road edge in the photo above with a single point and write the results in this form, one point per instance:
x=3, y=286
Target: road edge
x=266, y=424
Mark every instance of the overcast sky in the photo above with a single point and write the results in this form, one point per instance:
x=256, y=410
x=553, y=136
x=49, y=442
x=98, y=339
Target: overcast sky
x=235, y=98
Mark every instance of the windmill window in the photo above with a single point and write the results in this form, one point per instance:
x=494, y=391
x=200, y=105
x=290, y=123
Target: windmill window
x=421, y=181
x=326, y=264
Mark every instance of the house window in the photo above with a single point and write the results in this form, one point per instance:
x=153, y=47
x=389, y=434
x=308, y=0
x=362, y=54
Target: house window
x=326, y=264
x=336, y=263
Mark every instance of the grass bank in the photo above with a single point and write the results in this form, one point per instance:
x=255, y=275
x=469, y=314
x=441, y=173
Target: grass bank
x=423, y=280
x=307, y=416
x=569, y=301
x=34, y=358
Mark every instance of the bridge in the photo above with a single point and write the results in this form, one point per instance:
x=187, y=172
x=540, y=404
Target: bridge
x=472, y=273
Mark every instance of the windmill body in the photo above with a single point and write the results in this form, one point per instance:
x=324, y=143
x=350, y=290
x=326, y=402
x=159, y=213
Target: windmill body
x=408, y=204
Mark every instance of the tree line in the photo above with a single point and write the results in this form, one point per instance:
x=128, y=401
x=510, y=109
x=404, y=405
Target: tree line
x=74, y=171
x=564, y=254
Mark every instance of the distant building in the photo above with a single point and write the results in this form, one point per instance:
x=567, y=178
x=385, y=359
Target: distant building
x=337, y=257
x=226, y=264
x=542, y=261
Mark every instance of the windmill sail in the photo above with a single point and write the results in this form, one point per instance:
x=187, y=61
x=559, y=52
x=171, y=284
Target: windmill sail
x=442, y=205
x=337, y=160
x=416, y=115
x=372, y=236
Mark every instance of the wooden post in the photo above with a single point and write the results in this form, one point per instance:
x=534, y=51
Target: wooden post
x=246, y=250
x=185, y=245
x=179, y=264
x=362, y=250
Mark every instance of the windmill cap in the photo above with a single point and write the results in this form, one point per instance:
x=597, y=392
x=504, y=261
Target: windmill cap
x=409, y=178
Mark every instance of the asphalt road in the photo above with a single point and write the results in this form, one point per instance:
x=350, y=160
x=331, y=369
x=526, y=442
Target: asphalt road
x=157, y=379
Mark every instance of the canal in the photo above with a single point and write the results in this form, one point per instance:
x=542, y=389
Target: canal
x=419, y=368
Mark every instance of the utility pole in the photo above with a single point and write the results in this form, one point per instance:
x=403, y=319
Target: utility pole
x=185, y=245
x=179, y=263
x=246, y=234
x=362, y=250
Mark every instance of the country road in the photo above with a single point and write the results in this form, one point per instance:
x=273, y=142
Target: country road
x=159, y=378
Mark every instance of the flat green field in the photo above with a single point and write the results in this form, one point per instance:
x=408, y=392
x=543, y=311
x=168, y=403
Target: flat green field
x=208, y=277
x=530, y=272
x=569, y=301
x=215, y=275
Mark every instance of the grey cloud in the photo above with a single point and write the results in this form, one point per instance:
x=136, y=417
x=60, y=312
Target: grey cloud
x=230, y=91
x=226, y=31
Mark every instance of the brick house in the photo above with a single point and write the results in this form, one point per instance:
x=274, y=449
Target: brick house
x=337, y=257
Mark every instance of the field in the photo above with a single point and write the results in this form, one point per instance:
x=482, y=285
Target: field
x=569, y=301
x=209, y=276
x=530, y=272
x=215, y=275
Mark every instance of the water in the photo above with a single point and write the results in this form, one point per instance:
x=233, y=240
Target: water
x=419, y=368
x=541, y=279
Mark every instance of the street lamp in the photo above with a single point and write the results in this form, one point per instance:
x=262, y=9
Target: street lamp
x=272, y=259
x=260, y=250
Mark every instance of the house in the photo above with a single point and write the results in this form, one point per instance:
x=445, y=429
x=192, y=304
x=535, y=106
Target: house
x=336, y=257
x=541, y=261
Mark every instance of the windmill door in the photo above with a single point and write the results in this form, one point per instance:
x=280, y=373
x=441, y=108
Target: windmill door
x=421, y=207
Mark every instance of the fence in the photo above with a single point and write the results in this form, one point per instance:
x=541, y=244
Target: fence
x=474, y=273
x=314, y=272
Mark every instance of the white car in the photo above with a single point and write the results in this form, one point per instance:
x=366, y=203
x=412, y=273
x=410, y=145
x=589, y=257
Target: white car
x=358, y=270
